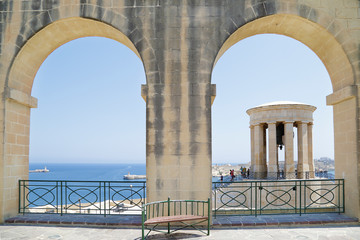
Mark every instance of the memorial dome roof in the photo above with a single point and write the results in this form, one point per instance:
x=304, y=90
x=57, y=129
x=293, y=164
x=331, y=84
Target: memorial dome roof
x=281, y=103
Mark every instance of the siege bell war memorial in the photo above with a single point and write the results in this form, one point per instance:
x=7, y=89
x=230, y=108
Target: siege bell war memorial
x=179, y=42
x=280, y=118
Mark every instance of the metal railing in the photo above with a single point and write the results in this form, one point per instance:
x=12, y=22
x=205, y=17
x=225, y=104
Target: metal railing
x=231, y=197
x=278, y=197
x=293, y=175
x=81, y=197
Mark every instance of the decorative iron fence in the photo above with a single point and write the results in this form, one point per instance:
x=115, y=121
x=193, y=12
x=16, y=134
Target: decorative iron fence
x=231, y=198
x=294, y=175
x=278, y=197
x=81, y=197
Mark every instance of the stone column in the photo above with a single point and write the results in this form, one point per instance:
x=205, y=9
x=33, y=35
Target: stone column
x=259, y=169
x=310, y=152
x=303, y=165
x=273, y=165
x=252, y=141
x=289, y=150
x=264, y=159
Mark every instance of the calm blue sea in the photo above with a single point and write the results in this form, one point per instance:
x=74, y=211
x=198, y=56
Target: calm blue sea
x=85, y=172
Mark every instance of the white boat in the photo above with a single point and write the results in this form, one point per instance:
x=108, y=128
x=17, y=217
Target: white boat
x=39, y=170
x=132, y=177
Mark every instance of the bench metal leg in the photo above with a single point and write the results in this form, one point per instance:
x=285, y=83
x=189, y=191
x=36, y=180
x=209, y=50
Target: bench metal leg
x=142, y=230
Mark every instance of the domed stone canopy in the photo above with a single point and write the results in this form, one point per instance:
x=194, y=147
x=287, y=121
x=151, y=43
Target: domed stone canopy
x=280, y=118
x=284, y=111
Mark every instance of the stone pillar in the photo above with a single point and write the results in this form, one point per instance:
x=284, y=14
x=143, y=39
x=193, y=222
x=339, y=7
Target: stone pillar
x=310, y=152
x=178, y=151
x=303, y=163
x=273, y=165
x=264, y=159
x=252, y=135
x=259, y=168
x=289, y=150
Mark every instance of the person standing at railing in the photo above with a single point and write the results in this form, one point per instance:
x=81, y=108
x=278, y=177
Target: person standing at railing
x=232, y=174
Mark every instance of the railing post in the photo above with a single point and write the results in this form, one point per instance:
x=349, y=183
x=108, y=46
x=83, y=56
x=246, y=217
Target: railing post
x=24, y=195
x=343, y=194
x=57, y=196
x=109, y=193
x=215, y=200
x=61, y=198
x=19, y=196
x=256, y=190
x=168, y=214
x=300, y=198
x=105, y=200
x=208, y=216
x=305, y=186
x=251, y=198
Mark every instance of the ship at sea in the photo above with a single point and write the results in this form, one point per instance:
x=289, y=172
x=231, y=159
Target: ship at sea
x=132, y=177
x=39, y=170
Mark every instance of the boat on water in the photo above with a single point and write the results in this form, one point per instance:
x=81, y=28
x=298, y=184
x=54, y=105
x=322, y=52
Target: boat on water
x=132, y=177
x=39, y=170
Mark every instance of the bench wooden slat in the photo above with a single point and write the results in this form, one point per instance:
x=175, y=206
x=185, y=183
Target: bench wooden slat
x=178, y=218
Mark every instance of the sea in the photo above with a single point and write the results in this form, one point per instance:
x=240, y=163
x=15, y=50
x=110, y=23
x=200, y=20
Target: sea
x=92, y=172
x=83, y=185
x=85, y=172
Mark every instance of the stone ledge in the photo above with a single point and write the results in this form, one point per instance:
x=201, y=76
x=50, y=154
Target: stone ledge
x=21, y=97
x=341, y=95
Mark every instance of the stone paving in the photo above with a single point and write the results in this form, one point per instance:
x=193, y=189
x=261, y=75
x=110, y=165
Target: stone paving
x=78, y=227
x=18, y=232
x=218, y=222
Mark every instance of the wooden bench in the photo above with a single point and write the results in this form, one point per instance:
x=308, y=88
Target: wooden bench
x=186, y=213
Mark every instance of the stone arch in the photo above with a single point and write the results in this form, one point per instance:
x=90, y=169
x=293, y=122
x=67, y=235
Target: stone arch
x=38, y=47
x=333, y=45
x=318, y=38
x=18, y=100
x=102, y=13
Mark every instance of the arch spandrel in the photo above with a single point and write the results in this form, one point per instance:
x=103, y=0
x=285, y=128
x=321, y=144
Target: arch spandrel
x=319, y=39
x=38, y=47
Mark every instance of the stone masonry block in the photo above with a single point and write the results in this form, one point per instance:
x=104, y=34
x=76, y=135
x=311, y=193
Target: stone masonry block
x=346, y=13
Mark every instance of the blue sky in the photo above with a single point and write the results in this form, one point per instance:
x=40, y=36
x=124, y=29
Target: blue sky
x=90, y=109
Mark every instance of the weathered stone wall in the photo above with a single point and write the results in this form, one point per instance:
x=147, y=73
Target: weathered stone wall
x=179, y=42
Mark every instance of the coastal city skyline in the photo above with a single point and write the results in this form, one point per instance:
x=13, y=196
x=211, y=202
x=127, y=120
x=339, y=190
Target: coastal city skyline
x=90, y=109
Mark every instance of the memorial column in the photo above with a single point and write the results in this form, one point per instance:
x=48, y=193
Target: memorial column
x=259, y=169
x=310, y=151
x=252, y=142
x=289, y=150
x=273, y=165
x=303, y=163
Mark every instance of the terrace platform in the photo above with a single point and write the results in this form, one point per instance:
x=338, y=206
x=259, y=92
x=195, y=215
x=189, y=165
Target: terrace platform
x=134, y=221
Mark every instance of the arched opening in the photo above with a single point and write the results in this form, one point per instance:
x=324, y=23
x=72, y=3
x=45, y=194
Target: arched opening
x=282, y=69
x=19, y=86
x=90, y=115
x=341, y=73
